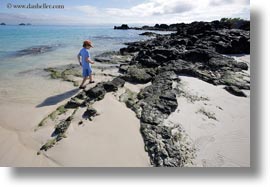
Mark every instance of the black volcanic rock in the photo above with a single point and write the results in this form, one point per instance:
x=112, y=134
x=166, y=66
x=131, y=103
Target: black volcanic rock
x=36, y=50
x=97, y=93
x=235, y=91
x=164, y=26
x=122, y=27
x=195, y=50
x=196, y=54
x=233, y=42
x=139, y=75
x=129, y=49
x=90, y=112
x=112, y=86
x=159, y=99
x=195, y=27
x=151, y=34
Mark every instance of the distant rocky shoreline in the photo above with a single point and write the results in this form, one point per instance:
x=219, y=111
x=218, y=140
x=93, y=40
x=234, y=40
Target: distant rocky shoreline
x=21, y=24
x=196, y=50
x=224, y=23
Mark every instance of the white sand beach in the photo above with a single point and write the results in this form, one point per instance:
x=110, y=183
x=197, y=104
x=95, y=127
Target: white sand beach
x=218, y=123
x=112, y=139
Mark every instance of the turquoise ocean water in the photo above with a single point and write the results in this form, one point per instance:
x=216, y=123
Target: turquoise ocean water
x=22, y=77
x=65, y=40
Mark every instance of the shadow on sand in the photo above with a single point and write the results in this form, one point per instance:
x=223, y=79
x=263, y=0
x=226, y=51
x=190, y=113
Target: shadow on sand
x=58, y=98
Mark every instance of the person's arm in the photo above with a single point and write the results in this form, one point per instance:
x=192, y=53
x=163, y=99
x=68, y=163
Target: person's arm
x=89, y=60
x=79, y=59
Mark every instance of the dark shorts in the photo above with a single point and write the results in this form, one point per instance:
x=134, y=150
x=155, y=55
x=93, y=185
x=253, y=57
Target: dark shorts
x=86, y=72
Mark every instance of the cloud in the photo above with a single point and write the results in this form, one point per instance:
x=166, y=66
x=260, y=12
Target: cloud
x=148, y=12
x=154, y=7
x=176, y=9
x=220, y=2
x=171, y=11
x=227, y=2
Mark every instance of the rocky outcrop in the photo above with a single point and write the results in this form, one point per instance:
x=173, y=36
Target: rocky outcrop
x=90, y=113
x=84, y=99
x=195, y=50
x=150, y=34
x=122, y=27
x=235, y=91
x=224, y=23
x=36, y=50
x=152, y=106
x=204, y=64
x=25, y=24
x=66, y=73
x=58, y=134
x=159, y=99
x=135, y=74
x=113, y=57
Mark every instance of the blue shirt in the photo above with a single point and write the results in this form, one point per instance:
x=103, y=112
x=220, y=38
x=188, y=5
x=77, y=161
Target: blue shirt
x=84, y=53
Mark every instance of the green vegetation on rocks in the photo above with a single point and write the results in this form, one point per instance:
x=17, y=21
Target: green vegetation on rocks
x=131, y=101
x=59, y=132
x=52, y=116
x=65, y=73
x=81, y=100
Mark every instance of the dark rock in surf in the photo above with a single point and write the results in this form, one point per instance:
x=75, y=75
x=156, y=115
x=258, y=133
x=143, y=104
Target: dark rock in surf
x=235, y=91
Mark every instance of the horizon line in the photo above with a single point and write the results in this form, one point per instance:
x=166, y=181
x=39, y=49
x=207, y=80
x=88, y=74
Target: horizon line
x=104, y=24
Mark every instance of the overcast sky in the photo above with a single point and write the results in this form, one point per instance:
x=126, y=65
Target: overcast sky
x=96, y=12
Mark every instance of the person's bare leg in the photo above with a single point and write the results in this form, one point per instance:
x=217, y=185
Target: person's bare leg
x=91, y=78
x=84, y=79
